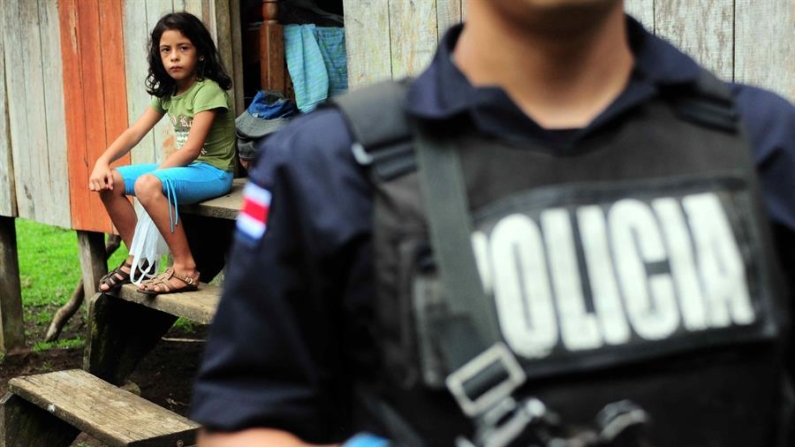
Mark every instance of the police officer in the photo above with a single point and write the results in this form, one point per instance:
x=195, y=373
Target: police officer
x=553, y=236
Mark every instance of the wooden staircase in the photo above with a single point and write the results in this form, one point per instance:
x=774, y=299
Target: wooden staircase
x=52, y=409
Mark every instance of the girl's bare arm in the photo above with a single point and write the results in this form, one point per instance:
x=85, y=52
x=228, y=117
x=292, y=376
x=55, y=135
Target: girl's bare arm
x=101, y=177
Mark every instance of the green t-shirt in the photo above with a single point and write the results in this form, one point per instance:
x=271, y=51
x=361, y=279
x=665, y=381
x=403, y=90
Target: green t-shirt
x=219, y=146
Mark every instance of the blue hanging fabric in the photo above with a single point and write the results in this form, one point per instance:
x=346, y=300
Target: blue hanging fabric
x=317, y=62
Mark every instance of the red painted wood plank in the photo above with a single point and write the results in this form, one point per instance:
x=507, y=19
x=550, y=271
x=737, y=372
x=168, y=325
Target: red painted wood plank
x=111, y=14
x=74, y=106
x=92, y=38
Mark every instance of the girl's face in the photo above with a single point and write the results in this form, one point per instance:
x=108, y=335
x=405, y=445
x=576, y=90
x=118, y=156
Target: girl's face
x=179, y=58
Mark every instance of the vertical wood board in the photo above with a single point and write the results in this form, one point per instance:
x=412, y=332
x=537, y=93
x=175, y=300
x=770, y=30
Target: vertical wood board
x=448, y=13
x=413, y=31
x=7, y=194
x=40, y=192
x=367, y=41
x=764, y=51
x=704, y=29
x=74, y=92
x=642, y=10
x=90, y=47
x=136, y=34
x=163, y=134
x=237, y=57
x=57, y=208
x=222, y=33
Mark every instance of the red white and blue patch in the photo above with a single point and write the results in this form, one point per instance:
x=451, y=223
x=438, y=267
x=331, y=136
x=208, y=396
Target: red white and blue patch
x=253, y=218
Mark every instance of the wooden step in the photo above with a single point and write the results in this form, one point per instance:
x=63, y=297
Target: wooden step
x=198, y=305
x=109, y=414
x=224, y=207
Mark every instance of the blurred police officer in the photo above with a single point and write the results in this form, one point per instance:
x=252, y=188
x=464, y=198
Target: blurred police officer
x=558, y=234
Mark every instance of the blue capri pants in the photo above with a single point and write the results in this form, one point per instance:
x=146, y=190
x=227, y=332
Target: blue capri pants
x=182, y=185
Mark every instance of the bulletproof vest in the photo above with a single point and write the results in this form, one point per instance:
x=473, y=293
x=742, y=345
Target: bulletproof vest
x=635, y=265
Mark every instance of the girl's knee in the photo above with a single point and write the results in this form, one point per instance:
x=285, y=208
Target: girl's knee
x=148, y=186
x=118, y=180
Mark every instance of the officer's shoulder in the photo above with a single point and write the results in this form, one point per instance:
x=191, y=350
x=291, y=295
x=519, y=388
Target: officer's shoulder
x=317, y=139
x=769, y=118
x=761, y=105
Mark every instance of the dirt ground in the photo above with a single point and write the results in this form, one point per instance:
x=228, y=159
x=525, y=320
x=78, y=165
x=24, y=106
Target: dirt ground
x=164, y=377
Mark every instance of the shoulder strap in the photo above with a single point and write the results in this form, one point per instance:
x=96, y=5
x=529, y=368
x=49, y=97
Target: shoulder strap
x=377, y=120
x=709, y=103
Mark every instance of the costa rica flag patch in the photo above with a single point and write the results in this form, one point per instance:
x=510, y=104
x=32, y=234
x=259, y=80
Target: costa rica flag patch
x=253, y=218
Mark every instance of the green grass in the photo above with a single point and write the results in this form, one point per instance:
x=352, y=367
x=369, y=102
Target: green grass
x=49, y=271
x=72, y=343
x=49, y=264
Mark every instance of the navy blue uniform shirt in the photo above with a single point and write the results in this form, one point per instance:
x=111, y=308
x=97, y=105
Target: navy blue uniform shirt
x=291, y=330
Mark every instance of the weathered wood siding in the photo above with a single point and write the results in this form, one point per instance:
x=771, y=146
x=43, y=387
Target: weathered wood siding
x=35, y=111
x=8, y=200
x=740, y=40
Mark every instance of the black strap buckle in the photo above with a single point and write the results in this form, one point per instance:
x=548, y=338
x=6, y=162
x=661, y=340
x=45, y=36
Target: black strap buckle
x=486, y=380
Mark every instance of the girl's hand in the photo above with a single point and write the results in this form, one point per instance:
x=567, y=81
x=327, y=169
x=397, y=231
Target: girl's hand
x=101, y=178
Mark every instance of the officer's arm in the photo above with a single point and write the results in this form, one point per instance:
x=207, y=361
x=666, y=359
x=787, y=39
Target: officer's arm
x=254, y=437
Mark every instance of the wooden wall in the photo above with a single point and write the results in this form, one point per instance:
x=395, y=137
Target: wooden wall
x=742, y=40
x=71, y=80
x=34, y=110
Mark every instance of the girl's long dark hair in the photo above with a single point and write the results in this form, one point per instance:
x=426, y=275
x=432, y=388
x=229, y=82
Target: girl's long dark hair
x=158, y=82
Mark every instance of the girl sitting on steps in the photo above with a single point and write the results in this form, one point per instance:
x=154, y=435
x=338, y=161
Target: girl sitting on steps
x=188, y=82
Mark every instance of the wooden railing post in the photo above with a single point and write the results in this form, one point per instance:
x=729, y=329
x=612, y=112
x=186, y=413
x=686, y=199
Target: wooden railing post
x=271, y=42
x=93, y=263
x=12, y=330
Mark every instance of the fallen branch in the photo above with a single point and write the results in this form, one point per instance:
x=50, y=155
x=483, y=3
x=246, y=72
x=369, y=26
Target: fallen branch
x=66, y=312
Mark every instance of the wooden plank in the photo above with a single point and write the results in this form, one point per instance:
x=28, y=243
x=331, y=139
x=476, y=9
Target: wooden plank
x=55, y=157
x=448, y=13
x=367, y=41
x=412, y=30
x=107, y=413
x=92, y=99
x=224, y=207
x=24, y=424
x=92, y=259
x=764, y=45
x=237, y=57
x=11, y=89
x=27, y=107
x=198, y=305
x=76, y=118
x=702, y=29
x=8, y=200
x=12, y=329
x=273, y=71
x=642, y=10
x=111, y=24
x=88, y=210
x=192, y=6
x=136, y=33
x=223, y=38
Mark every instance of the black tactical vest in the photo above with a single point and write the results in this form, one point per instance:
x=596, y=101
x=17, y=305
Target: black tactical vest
x=636, y=265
